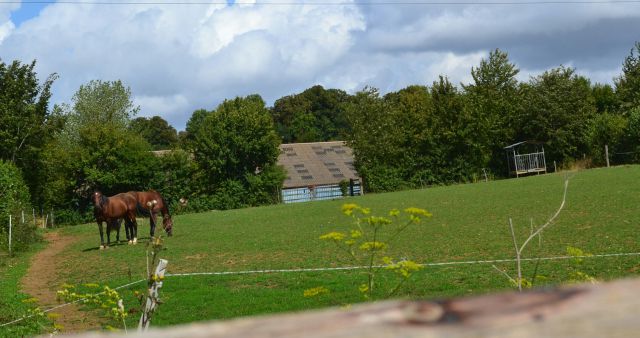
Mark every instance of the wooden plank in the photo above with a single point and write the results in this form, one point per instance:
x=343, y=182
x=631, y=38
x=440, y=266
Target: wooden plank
x=589, y=311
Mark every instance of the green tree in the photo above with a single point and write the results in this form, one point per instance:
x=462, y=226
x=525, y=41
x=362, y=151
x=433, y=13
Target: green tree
x=558, y=109
x=605, y=98
x=493, y=100
x=412, y=110
x=377, y=149
x=157, y=131
x=631, y=139
x=187, y=137
x=96, y=149
x=175, y=175
x=606, y=129
x=235, y=148
x=628, y=84
x=454, y=154
x=314, y=115
x=25, y=120
x=14, y=198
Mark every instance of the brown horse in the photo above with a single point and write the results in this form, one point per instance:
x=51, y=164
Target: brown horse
x=110, y=210
x=149, y=203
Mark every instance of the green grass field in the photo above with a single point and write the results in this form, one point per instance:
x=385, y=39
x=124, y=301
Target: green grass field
x=470, y=222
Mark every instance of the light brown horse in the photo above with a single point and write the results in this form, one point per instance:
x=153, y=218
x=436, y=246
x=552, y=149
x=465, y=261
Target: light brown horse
x=149, y=203
x=110, y=210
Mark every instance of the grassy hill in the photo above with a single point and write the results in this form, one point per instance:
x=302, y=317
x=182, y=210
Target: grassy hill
x=470, y=222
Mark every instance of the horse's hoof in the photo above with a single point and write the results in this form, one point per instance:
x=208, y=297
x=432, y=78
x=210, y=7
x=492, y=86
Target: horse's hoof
x=102, y=247
x=130, y=242
x=135, y=241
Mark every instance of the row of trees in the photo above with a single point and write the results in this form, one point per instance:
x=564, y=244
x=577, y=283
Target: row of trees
x=443, y=133
x=226, y=157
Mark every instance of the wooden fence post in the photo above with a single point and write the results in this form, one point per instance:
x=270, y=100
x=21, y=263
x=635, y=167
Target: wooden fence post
x=22, y=219
x=152, y=297
x=606, y=153
x=33, y=211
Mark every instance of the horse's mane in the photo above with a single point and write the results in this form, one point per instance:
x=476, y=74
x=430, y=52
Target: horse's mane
x=103, y=200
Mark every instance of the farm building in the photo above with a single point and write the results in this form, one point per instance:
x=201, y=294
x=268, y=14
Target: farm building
x=316, y=171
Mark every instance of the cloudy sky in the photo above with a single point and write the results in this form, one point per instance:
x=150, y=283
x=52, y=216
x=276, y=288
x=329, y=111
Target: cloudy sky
x=179, y=56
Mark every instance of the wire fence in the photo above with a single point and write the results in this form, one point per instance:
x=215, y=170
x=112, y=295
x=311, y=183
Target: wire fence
x=346, y=268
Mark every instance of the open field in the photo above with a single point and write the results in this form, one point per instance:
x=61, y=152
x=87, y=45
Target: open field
x=469, y=223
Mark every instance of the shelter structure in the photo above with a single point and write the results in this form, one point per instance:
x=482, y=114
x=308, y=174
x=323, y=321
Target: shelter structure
x=318, y=171
x=526, y=157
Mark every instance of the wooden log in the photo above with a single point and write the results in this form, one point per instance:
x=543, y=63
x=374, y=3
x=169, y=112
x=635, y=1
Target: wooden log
x=588, y=311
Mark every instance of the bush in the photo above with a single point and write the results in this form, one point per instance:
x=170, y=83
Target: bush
x=72, y=217
x=14, y=198
x=606, y=129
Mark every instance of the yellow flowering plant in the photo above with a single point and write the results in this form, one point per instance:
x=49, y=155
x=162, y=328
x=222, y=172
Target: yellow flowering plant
x=102, y=297
x=367, y=240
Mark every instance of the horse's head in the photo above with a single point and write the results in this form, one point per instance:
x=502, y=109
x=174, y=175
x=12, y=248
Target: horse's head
x=98, y=199
x=167, y=224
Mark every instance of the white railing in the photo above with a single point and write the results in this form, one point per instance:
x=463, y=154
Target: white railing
x=532, y=162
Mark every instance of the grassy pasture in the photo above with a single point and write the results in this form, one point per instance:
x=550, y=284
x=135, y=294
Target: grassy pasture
x=469, y=223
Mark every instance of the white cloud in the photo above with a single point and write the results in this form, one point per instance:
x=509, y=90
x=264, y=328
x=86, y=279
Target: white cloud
x=179, y=58
x=166, y=106
x=6, y=25
x=202, y=54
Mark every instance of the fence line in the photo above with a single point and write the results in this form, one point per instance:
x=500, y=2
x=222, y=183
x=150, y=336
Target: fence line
x=219, y=273
x=491, y=261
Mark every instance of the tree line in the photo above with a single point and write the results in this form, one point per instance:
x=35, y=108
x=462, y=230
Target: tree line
x=226, y=158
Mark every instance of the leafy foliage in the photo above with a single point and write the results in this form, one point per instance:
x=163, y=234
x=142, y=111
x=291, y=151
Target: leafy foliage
x=366, y=243
x=235, y=149
x=494, y=102
x=96, y=149
x=156, y=131
x=314, y=115
x=558, y=108
x=26, y=122
x=606, y=129
x=14, y=198
x=628, y=84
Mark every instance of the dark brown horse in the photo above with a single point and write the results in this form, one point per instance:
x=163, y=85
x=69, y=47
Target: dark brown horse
x=149, y=204
x=110, y=210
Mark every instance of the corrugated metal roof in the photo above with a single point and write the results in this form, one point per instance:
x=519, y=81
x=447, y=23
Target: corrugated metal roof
x=316, y=163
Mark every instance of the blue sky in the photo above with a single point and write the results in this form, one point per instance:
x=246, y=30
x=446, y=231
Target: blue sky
x=179, y=58
x=26, y=12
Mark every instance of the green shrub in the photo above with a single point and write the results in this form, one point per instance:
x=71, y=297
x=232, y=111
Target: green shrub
x=14, y=198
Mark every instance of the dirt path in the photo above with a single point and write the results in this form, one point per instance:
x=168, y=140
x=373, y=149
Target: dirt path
x=41, y=283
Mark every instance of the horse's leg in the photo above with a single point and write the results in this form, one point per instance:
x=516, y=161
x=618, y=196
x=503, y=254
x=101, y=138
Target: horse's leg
x=152, y=223
x=101, y=235
x=117, y=223
x=134, y=229
x=133, y=226
x=109, y=226
x=127, y=228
